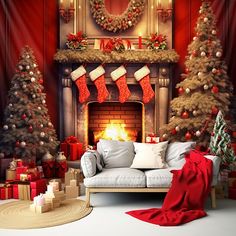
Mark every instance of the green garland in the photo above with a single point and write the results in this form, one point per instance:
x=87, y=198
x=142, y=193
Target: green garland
x=128, y=56
x=116, y=23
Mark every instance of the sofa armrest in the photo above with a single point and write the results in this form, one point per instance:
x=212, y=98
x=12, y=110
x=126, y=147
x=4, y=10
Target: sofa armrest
x=90, y=162
x=216, y=164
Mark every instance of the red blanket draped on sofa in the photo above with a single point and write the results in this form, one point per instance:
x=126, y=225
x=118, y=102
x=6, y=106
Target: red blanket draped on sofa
x=185, y=200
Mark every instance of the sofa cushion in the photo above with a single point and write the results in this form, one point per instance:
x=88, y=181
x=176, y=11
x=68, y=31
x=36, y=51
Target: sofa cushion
x=175, y=153
x=149, y=156
x=117, y=177
x=88, y=164
x=158, y=178
x=116, y=153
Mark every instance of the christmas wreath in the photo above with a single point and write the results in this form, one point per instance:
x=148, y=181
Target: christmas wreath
x=157, y=41
x=116, y=23
x=76, y=41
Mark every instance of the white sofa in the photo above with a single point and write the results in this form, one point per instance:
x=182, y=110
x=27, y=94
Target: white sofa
x=110, y=168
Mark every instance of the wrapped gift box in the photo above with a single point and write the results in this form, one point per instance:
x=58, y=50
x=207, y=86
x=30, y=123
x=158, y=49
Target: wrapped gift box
x=24, y=191
x=10, y=174
x=15, y=191
x=71, y=191
x=73, y=174
x=40, y=209
x=58, y=181
x=72, y=148
x=232, y=182
x=232, y=174
x=40, y=184
x=21, y=170
x=6, y=192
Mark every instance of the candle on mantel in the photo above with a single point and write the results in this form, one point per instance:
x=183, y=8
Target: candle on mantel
x=170, y=4
x=61, y=3
x=140, y=41
x=159, y=4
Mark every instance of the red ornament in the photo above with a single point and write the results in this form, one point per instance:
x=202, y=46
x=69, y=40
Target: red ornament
x=188, y=136
x=23, y=117
x=214, y=110
x=110, y=20
x=212, y=134
x=97, y=6
x=180, y=90
x=185, y=115
x=17, y=143
x=194, y=53
x=215, y=89
x=30, y=129
x=130, y=15
x=41, y=81
x=186, y=70
x=173, y=132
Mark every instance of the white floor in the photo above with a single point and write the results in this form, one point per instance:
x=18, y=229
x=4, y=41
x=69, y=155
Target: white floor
x=108, y=218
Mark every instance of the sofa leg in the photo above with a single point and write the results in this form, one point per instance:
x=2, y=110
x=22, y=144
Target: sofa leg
x=213, y=197
x=87, y=197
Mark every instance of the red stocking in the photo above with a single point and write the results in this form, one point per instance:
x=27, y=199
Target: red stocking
x=79, y=77
x=97, y=75
x=119, y=76
x=142, y=76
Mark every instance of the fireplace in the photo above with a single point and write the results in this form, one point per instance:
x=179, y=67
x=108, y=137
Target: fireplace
x=114, y=120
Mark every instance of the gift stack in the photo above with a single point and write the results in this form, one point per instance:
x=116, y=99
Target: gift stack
x=24, y=181
x=39, y=205
x=152, y=138
x=232, y=185
x=72, y=148
x=54, y=196
x=72, y=190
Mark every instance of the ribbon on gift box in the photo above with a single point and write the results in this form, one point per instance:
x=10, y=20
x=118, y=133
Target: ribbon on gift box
x=71, y=139
x=48, y=168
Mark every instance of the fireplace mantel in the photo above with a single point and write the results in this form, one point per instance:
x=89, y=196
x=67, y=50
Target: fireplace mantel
x=73, y=115
x=128, y=56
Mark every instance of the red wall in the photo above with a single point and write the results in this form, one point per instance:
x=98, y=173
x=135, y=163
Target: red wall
x=35, y=22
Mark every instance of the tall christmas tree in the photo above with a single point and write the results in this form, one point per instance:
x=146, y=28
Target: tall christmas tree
x=220, y=144
x=205, y=88
x=27, y=130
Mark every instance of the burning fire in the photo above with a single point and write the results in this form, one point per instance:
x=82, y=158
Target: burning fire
x=114, y=132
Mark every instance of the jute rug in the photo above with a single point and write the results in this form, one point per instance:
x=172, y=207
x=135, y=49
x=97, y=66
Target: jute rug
x=17, y=215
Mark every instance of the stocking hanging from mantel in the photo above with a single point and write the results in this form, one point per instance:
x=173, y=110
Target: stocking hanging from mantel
x=119, y=76
x=143, y=77
x=79, y=77
x=97, y=76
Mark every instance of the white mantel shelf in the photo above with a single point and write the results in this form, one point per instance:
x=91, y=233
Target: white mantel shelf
x=128, y=56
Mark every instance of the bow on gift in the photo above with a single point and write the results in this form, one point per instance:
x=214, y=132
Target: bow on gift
x=73, y=171
x=71, y=139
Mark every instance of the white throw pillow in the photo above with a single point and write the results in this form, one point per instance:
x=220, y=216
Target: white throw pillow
x=149, y=156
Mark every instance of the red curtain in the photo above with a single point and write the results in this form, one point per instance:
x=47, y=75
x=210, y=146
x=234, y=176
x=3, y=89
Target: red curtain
x=33, y=23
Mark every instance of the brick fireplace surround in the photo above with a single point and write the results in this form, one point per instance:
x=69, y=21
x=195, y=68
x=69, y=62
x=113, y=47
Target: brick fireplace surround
x=80, y=119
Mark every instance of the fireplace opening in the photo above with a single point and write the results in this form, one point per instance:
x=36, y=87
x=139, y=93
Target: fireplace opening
x=115, y=121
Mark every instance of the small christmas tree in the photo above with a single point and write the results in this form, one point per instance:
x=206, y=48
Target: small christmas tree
x=205, y=88
x=220, y=144
x=27, y=129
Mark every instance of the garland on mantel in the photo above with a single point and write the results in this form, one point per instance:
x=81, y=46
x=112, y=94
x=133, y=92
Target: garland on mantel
x=129, y=56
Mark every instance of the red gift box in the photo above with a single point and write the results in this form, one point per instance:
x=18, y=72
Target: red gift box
x=232, y=193
x=21, y=170
x=15, y=191
x=72, y=148
x=38, y=184
x=232, y=174
x=6, y=192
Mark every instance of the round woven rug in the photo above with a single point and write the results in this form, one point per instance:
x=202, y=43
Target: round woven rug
x=17, y=215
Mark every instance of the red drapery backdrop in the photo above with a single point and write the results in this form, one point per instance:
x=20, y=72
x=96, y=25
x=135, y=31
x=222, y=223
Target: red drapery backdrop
x=36, y=23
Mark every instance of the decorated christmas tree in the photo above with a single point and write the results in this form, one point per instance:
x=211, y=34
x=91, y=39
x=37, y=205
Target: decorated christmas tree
x=220, y=144
x=205, y=88
x=27, y=130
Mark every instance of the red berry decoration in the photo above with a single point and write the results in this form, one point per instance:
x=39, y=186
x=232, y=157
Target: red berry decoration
x=173, y=132
x=97, y=6
x=186, y=70
x=23, y=117
x=214, y=110
x=30, y=129
x=41, y=81
x=185, y=115
x=194, y=53
x=188, y=136
x=215, y=89
x=17, y=143
x=180, y=90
